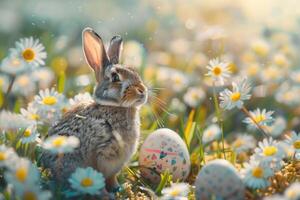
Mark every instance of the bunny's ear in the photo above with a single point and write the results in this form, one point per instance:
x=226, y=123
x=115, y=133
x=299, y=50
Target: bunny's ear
x=94, y=52
x=114, y=49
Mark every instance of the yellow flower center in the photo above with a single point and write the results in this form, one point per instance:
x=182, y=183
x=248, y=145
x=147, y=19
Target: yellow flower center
x=257, y=172
x=29, y=196
x=217, y=70
x=28, y=55
x=21, y=174
x=3, y=156
x=1, y=82
x=86, y=182
x=259, y=118
x=238, y=143
x=59, y=141
x=235, y=96
x=50, y=100
x=270, y=151
x=175, y=192
x=297, y=144
x=23, y=81
x=27, y=133
x=34, y=117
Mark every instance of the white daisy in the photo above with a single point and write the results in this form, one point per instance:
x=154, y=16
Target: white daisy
x=24, y=85
x=12, y=121
x=236, y=97
x=7, y=156
x=260, y=47
x=14, y=66
x=31, y=113
x=287, y=94
x=23, y=173
x=261, y=117
x=211, y=133
x=178, y=81
x=4, y=80
x=243, y=143
x=50, y=105
x=293, y=191
x=133, y=54
x=87, y=181
x=30, y=50
x=194, y=96
x=218, y=70
x=43, y=77
x=255, y=174
x=294, y=141
x=269, y=150
x=80, y=98
x=61, y=144
x=177, y=191
x=30, y=134
x=277, y=128
x=32, y=193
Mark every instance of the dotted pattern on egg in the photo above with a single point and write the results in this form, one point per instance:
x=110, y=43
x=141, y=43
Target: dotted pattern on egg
x=164, y=150
x=221, y=179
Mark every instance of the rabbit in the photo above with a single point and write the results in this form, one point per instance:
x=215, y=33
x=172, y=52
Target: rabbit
x=109, y=127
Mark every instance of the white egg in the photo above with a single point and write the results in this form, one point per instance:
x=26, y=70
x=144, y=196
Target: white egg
x=164, y=150
x=220, y=179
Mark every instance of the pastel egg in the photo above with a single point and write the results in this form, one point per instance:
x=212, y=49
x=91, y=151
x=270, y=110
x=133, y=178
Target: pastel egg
x=219, y=179
x=164, y=150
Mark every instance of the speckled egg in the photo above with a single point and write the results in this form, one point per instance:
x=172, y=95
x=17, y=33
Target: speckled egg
x=164, y=150
x=220, y=179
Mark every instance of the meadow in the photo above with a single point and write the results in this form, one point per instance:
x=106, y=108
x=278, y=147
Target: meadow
x=222, y=77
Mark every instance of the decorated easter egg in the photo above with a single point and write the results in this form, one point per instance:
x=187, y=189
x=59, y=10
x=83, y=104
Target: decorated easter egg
x=164, y=150
x=219, y=179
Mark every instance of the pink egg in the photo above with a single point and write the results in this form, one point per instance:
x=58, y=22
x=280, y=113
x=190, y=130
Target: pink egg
x=164, y=150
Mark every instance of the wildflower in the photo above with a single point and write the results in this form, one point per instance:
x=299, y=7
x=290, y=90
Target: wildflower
x=271, y=74
x=211, y=133
x=255, y=174
x=219, y=71
x=24, y=85
x=30, y=113
x=260, y=47
x=30, y=50
x=43, y=77
x=287, y=94
x=7, y=156
x=30, y=134
x=12, y=121
x=23, y=173
x=177, y=191
x=50, y=105
x=48, y=98
x=194, y=96
x=261, y=117
x=61, y=144
x=82, y=97
x=178, y=81
x=32, y=193
x=14, y=66
x=294, y=141
x=277, y=128
x=87, y=181
x=280, y=60
x=269, y=150
x=236, y=97
x=243, y=143
x=293, y=191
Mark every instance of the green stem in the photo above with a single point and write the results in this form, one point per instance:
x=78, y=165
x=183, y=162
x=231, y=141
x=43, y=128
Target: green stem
x=219, y=117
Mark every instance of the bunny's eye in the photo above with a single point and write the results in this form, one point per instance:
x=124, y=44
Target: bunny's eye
x=115, y=77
